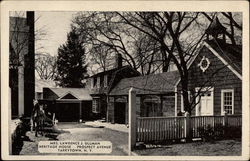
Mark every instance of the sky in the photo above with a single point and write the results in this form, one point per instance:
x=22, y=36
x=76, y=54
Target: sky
x=56, y=26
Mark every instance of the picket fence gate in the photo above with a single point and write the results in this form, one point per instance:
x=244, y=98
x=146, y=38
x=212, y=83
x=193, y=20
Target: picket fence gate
x=150, y=129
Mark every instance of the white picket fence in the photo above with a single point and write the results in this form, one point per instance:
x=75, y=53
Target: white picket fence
x=150, y=129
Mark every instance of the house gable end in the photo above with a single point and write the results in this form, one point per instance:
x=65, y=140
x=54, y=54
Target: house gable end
x=49, y=94
x=206, y=45
x=223, y=61
x=68, y=95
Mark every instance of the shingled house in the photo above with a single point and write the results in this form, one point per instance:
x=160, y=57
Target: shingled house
x=216, y=72
x=215, y=84
x=101, y=83
x=155, y=96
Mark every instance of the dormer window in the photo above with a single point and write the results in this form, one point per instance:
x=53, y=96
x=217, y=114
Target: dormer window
x=105, y=80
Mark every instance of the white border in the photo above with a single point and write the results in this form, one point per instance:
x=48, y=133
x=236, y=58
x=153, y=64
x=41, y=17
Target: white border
x=236, y=6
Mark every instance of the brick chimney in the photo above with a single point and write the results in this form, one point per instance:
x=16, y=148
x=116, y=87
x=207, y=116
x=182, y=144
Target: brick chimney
x=118, y=63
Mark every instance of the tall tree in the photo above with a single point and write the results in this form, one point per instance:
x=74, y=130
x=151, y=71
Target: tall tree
x=71, y=67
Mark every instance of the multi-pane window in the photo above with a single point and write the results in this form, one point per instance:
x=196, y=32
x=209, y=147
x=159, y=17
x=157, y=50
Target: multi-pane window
x=96, y=105
x=227, y=101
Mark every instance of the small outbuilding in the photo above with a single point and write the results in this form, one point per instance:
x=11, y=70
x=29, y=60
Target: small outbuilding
x=68, y=104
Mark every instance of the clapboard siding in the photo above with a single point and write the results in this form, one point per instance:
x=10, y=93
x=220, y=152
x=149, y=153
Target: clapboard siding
x=218, y=76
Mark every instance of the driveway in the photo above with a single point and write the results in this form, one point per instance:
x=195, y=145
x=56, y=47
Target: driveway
x=79, y=132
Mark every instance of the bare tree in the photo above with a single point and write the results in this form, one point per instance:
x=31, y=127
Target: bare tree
x=145, y=38
x=105, y=31
x=179, y=35
x=19, y=35
x=45, y=66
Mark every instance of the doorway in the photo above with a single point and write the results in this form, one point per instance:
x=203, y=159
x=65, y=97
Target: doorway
x=120, y=112
x=206, y=105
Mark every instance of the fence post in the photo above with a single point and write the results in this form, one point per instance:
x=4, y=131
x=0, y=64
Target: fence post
x=188, y=127
x=132, y=120
x=225, y=119
x=225, y=123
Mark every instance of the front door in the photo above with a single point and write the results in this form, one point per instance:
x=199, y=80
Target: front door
x=120, y=112
x=205, y=106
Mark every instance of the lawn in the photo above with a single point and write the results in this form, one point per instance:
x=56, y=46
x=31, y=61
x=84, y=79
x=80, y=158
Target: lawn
x=217, y=148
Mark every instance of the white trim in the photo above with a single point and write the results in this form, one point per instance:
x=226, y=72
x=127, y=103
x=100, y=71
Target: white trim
x=223, y=61
x=175, y=100
x=211, y=89
x=222, y=100
x=200, y=64
x=66, y=94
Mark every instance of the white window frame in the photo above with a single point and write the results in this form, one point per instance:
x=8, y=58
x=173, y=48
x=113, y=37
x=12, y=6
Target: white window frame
x=211, y=89
x=222, y=100
x=97, y=108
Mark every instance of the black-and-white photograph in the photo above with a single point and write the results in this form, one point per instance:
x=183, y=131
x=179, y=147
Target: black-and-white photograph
x=125, y=83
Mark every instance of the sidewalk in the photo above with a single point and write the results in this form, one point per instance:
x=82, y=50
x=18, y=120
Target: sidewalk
x=116, y=127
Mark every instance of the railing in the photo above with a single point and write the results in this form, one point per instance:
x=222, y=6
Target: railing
x=160, y=128
x=169, y=128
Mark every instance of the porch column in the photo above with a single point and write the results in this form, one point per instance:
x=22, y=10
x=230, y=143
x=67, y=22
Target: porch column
x=21, y=90
x=126, y=111
x=80, y=111
x=132, y=120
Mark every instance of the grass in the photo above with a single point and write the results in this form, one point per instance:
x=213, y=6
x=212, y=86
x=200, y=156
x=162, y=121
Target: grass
x=217, y=148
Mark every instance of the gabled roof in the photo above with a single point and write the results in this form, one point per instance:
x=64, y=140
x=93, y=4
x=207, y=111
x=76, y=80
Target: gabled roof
x=229, y=54
x=108, y=71
x=161, y=83
x=125, y=71
x=232, y=54
x=40, y=84
x=80, y=93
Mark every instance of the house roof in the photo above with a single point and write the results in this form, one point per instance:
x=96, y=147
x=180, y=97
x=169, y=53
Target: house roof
x=108, y=71
x=215, y=27
x=40, y=84
x=113, y=78
x=80, y=93
x=231, y=53
x=161, y=83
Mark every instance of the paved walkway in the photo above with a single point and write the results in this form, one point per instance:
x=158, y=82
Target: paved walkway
x=116, y=127
x=81, y=132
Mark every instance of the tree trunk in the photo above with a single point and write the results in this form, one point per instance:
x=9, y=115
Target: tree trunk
x=184, y=83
